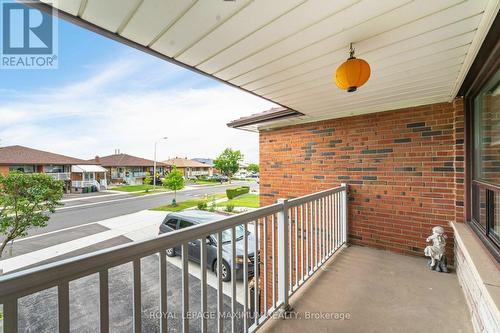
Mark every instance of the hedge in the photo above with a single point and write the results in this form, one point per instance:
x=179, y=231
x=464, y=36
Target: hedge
x=232, y=193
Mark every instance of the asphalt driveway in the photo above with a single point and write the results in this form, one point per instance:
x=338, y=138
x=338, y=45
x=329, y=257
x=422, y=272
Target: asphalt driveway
x=38, y=312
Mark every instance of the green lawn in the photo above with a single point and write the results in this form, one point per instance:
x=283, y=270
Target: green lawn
x=245, y=200
x=139, y=190
x=187, y=204
x=205, y=182
x=131, y=188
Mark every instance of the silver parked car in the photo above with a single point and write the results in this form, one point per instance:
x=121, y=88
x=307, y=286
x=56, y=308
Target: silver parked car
x=181, y=220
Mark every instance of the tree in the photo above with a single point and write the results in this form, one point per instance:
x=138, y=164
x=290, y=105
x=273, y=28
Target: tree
x=147, y=180
x=228, y=162
x=25, y=200
x=253, y=167
x=174, y=181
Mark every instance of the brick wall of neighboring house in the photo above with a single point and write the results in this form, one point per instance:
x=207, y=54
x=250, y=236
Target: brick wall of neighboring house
x=404, y=168
x=4, y=170
x=76, y=176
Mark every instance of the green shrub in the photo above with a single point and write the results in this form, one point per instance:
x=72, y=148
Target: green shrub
x=202, y=205
x=229, y=208
x=232, y=193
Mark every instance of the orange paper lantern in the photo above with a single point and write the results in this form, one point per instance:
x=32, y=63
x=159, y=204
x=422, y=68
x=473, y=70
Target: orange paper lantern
x=352, y=74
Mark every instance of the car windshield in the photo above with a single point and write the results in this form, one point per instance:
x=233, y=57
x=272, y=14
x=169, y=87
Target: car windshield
x=226, y=234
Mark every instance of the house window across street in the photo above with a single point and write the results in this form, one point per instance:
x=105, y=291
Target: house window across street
x=53, y=168
x=22, y=168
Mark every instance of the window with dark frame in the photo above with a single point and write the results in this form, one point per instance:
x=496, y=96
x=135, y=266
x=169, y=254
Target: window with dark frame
x=485, y=203
x=482, y=142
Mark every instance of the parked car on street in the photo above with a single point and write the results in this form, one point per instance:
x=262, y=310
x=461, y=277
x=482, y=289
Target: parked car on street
x=189, y=218
x=220, y=178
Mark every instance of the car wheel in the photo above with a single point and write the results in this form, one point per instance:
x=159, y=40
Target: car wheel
x=171, y=252
x=226, y=271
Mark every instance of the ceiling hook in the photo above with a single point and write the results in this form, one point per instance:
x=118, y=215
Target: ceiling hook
x=351, y=51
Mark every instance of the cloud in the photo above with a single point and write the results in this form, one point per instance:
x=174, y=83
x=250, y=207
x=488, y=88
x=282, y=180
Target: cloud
x=128, y=106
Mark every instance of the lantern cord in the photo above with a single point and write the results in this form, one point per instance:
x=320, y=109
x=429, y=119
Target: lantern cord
x=351, y=51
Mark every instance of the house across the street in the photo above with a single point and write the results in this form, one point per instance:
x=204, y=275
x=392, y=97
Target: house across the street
x=191, y=168
x=124, y=168
x=209, y=162
x=76, y=173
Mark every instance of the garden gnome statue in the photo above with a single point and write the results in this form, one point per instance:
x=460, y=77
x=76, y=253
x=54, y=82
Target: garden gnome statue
x=436, y=251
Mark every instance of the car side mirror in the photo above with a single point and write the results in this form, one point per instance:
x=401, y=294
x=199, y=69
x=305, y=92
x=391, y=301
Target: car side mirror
x=209, y=241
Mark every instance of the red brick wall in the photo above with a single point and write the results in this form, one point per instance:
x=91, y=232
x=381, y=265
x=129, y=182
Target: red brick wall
x=4, y=170
x=404, y=168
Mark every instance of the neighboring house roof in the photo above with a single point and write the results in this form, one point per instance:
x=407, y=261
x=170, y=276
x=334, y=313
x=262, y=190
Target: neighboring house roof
x=207, y=161
x=12, y=155
x=123, y=160
x=186, y=163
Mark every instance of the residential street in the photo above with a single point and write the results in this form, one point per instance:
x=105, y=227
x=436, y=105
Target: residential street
x=78, y=212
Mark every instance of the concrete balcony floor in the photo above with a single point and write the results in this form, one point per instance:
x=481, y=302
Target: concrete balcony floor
x=382, y=292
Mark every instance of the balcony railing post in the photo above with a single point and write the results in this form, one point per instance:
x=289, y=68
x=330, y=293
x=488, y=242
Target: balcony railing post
x=283, y=259
x=345, y=214
x=10, y=315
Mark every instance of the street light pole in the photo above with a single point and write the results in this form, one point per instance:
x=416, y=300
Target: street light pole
x=154, y=163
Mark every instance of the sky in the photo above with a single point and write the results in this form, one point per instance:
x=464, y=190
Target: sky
x=106, y=96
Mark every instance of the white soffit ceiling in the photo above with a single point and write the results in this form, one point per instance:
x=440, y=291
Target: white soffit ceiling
x=287, y=50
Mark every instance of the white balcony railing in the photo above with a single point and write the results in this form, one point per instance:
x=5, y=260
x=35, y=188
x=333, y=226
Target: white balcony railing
x=200, y=173
x=60, y=175
x=115, y=175
x=88, y=183
x=82, y=183
x=301, y=234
